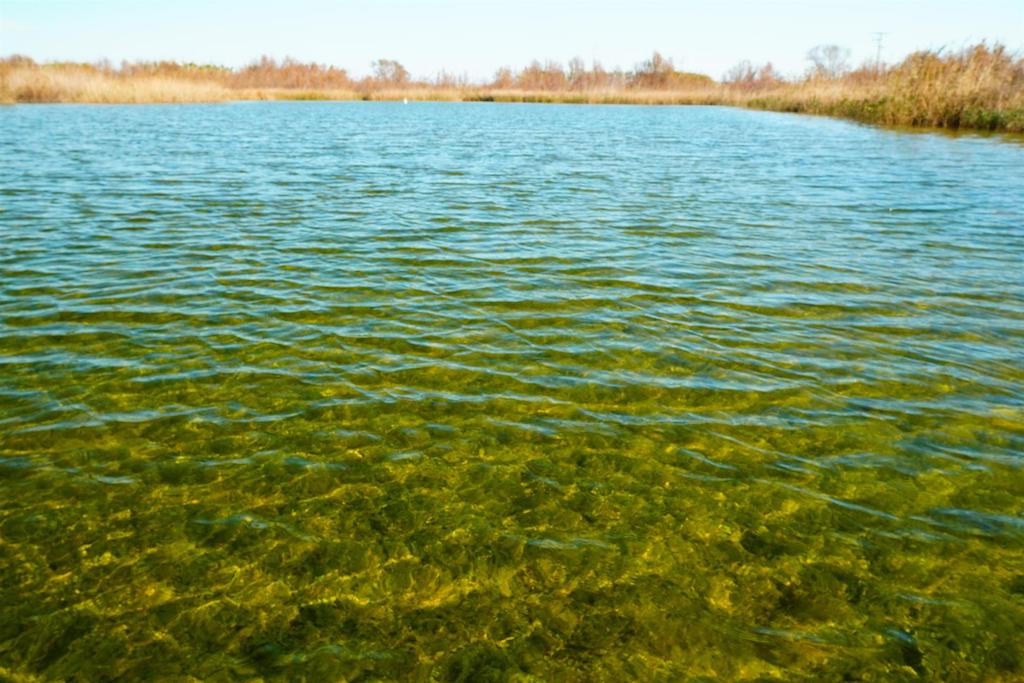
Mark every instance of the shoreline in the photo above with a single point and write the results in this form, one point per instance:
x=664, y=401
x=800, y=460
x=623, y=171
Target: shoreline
x=1001, y=123
x=979, y=88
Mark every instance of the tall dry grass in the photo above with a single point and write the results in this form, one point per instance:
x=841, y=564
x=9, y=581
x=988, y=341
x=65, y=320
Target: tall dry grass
x=980, y=87
x=21, y=82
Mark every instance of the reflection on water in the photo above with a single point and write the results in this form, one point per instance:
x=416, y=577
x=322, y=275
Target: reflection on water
x=481, y=392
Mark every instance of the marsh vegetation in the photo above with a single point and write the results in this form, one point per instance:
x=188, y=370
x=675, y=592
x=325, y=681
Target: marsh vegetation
x=979, y=87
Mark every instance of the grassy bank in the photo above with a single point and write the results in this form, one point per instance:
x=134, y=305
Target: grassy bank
x=981, y=87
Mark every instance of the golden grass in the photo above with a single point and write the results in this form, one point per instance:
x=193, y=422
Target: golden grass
x=312, y=94
x=981, y=87
x=72, y=84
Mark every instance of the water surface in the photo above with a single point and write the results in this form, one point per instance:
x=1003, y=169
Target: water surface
x=307, y=391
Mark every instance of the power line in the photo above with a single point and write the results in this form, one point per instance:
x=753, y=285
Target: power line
x=879, y=42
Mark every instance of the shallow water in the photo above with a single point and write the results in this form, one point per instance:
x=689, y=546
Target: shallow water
x=305, y=391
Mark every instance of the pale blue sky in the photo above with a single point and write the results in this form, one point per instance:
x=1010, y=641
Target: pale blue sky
x=477, y=36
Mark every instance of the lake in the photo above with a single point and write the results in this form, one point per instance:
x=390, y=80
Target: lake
x=373, y=391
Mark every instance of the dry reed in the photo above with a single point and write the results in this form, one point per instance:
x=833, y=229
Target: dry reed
x=74, y=84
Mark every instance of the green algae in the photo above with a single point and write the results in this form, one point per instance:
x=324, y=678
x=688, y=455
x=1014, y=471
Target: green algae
x=457, y=565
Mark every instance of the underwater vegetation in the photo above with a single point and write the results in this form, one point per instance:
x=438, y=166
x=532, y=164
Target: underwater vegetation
x=364, y=392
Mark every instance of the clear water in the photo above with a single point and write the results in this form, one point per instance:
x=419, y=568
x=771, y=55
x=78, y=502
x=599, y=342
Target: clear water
x=471, y=392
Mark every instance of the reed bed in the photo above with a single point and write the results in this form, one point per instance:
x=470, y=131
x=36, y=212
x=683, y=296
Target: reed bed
x=980, y=87
x=80, y=85
x=299, y=94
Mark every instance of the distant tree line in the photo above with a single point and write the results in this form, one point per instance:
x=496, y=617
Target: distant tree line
x=656, y=73
x=980, y=86
x=826, y=62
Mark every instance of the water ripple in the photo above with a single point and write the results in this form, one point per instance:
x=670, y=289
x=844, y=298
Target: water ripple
x=365, y=391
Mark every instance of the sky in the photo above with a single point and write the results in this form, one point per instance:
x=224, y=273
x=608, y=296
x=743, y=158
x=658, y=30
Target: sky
x=475, y=37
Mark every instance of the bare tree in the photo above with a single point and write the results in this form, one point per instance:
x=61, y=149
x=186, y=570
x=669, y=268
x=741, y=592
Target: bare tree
x=504, y=78
x=740, y=74
x=601, y=78
x=657, y=64
x=828, y=61
x=768, y=76
x=390, y=71
x=748, y=76
x=578, y=75
x=656, y=72
x=446, y=79
x=549, y=76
